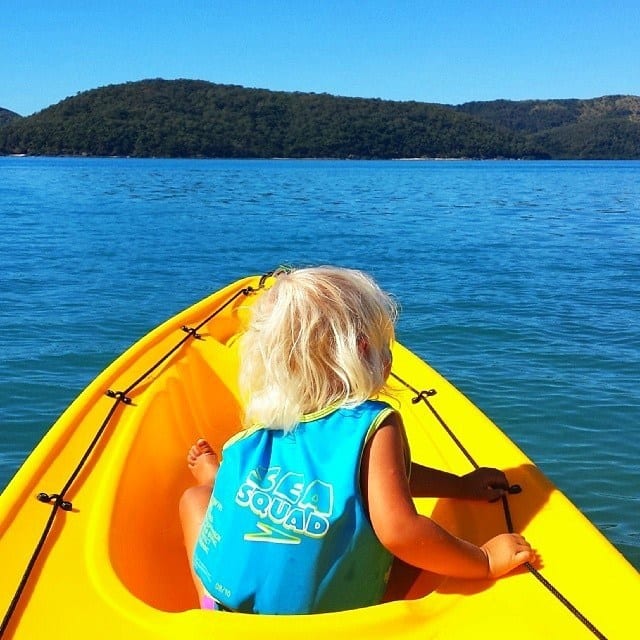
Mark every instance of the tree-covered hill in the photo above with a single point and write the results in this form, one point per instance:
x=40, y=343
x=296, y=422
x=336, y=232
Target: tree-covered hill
x=532, y=116
x=604, y=138
x=607, y=127
x=190, y=118
x=7, y=116
x=187, y=118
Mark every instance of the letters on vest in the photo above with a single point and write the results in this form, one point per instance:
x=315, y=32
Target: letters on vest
x=286, y=505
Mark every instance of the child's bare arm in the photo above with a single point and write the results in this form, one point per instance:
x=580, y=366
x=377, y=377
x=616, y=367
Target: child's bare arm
x=414, y=538
x=480, y=484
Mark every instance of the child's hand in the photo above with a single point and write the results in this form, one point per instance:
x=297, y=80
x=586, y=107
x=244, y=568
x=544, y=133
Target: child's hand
x=484, y=484
x=506, y=552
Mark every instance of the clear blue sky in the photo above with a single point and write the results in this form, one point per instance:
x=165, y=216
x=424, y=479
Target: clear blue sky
x=447, y=51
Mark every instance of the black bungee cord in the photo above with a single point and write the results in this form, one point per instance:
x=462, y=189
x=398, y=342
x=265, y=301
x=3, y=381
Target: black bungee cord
x=120, y=397
x=423, y=396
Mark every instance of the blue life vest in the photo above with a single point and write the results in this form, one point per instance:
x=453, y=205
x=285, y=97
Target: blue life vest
x=286, y=531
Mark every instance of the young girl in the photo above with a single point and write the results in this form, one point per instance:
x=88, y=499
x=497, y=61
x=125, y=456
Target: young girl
x=313, y=500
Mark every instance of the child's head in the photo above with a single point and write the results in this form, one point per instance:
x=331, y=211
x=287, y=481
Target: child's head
x=319, y=336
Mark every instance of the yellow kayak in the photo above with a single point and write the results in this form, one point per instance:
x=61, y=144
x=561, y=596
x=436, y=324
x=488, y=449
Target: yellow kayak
x=90, y=540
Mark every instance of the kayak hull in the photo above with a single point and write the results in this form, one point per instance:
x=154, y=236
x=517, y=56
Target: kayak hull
x=114, y=563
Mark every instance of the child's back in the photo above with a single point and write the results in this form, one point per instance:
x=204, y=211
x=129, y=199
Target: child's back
x=287, y=507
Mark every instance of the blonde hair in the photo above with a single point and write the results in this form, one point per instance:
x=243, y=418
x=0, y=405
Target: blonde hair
x=320, y=336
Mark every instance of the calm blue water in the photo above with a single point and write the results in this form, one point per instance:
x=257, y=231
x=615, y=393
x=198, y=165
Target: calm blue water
x=519, y=281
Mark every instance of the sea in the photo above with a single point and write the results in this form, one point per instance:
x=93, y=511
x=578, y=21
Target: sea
x=519, y=281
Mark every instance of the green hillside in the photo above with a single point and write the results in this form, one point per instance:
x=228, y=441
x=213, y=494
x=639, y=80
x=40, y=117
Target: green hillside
x=187, y=118
x=600, y=128
x=190, y=118
x=7, y=116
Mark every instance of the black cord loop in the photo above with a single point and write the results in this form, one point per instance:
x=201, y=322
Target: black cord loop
x=192, y=332
x=423, y=394
x=56, y=499
x=120, y=396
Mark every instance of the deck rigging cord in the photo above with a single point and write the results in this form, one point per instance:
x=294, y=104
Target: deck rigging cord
x=423, y=396
x=122, y=397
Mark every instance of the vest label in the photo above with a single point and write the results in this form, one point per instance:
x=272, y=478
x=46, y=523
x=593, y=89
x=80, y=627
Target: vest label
x=287, y=506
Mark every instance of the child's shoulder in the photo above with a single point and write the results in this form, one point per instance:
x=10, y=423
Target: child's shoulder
x=243, y=435
x=375, y=408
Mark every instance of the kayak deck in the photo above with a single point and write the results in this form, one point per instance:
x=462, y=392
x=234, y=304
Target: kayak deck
x=115, y=563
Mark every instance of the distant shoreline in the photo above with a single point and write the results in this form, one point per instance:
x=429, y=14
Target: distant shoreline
x=328, y=159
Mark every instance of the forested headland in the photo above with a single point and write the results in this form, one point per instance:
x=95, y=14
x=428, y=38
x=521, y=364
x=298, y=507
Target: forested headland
x=7, y=116
x=191, y=118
